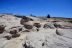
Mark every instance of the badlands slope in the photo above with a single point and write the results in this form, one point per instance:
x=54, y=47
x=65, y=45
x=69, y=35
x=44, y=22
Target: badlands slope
x=35, y=32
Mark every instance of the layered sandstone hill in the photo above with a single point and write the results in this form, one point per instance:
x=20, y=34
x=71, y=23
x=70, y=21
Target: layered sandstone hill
x=35, y=32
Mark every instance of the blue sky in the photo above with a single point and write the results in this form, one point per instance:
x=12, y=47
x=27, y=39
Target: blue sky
x=56, y=8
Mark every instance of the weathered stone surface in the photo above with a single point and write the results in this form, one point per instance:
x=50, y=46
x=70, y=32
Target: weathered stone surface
x=7, y=37
x=37, y=25
x=25, y=19
x=49, y=25
x=57, y=25
x=20, y=29
x=2, y=28
x=28, y=26
x=13, y=32
x=15, y=35
x=26, y=31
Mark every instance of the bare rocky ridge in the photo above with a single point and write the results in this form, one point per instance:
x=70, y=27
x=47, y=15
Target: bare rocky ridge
x=35, y=32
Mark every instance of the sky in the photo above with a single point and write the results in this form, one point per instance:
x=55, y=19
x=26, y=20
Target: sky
x=56, y=8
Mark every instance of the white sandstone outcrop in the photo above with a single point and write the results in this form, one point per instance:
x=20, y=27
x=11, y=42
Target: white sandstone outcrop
x=34, y=32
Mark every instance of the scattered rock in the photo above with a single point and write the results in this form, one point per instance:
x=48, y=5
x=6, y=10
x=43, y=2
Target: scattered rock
x=42, y=44
x=15, y=35
x=55, y=21
x=26, y=31
x=67, y=27
x=37, y=25
x=48, y=25
x=37, y=29
x=20, y=29
x=59, y=33
x=28, y=26
x=13, y=32
x=27, y=46
x=70, y=47
x=70, y=21
x=31, y=19
x=57, y=25
x=25, y=19
x=7, y=37
x=13, y=27
x=2, y=29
